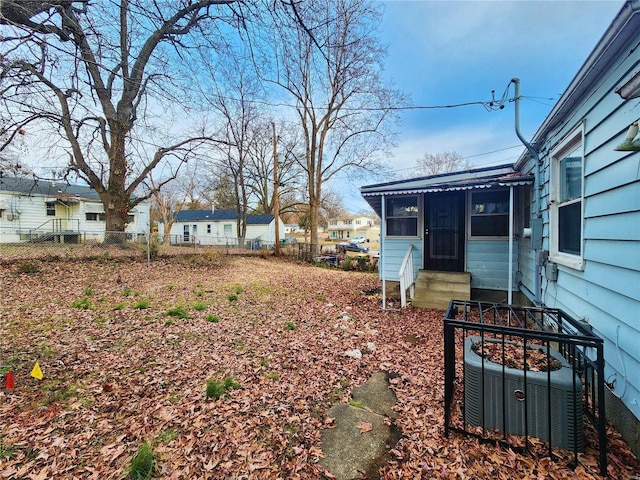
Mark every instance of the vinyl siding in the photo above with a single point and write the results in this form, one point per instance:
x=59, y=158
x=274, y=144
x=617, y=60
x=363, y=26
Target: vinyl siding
x=606, y=292
x=32, y=216
x=488, y=263
x=394, y=252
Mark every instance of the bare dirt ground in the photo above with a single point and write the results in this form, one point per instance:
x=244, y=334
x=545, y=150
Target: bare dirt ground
x=127, y=352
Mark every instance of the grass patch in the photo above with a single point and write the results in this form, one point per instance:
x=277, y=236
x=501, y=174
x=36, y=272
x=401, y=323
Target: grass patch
x=232, y=297
x=6, y=449
x=88, y=291
x=290, y=326
x=167, y=436
x=213, y=318
x=141, y=305
x=120, y=306
x=126, y=292
x=217, y=388
x=142, y=464
x=178, y=312
x=84, y=303
x=273, y=375
x=200, y=306
x=356, y=403
x=238, y=290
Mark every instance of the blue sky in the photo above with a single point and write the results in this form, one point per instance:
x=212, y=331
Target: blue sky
x=451, y=52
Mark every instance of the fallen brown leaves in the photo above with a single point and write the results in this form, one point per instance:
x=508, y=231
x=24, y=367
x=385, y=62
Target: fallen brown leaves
x=117, y=374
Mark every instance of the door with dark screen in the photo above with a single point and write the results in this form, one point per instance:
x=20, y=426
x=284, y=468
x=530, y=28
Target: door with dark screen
x=444, y=232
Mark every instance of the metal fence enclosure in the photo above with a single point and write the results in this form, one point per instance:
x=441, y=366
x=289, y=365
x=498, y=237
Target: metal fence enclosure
x=525, y=376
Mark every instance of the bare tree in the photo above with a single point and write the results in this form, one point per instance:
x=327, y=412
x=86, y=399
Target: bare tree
x=98, y=74
x=183, y=194
x=261, y=168
x=234, y=89
x=329, y=62
x=437, y=163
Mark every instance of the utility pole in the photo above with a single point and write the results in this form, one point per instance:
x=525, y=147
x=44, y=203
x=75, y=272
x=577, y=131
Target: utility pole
x=276, y=203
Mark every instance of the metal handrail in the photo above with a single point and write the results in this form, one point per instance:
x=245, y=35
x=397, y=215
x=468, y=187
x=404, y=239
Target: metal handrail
x=407, y=279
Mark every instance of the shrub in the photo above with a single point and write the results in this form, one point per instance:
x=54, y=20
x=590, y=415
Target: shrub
x=28, y=267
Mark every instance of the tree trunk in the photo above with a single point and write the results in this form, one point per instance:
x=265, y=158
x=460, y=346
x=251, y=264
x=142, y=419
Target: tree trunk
x=314, y=209
x=116, y=199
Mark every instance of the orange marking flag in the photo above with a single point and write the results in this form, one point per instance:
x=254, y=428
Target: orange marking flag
x=36, y=372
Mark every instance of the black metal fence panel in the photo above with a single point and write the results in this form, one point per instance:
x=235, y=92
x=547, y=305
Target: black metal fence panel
x=526, y=376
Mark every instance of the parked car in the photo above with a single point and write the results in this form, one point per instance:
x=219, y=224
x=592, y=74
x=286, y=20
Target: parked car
x=351, y=247
x=361, y=239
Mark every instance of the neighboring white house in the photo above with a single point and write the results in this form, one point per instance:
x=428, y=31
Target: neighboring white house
x=43, y=210
x=219, y=227
x=353, y=226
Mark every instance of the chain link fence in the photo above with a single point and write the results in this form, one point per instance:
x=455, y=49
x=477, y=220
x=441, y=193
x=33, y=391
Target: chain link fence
x=65, y=245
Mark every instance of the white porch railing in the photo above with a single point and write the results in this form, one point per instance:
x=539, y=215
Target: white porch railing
x=407, y=279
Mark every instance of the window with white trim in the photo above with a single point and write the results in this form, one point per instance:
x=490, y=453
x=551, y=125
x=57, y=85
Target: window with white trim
x=94, y=217
x=566, y=190
x=402, y=216
x=51, y=209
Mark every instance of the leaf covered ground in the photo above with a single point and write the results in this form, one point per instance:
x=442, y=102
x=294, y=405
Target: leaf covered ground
x=127, y=353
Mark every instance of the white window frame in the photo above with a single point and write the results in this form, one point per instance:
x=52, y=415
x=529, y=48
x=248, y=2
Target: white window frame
x=470, y=195
x=558, y=153
x=418, y=217
x=50, y=209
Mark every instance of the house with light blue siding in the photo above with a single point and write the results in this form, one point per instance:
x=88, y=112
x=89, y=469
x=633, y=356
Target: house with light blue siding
x=587, y=202
x=560, y=228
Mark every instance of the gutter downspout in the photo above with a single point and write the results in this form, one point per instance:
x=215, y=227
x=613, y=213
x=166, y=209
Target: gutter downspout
x=536, y=158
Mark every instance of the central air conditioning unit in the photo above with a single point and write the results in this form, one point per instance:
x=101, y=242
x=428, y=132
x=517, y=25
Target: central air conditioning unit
x=495, y=397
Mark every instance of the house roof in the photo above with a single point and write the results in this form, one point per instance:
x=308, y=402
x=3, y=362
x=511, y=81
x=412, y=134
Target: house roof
x=478, y=178
x=612, y=44
x=57, y=189
x=220, y=215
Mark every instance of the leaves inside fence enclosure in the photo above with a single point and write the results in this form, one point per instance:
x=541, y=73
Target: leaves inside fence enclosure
x=117, y=376
x=512, y=355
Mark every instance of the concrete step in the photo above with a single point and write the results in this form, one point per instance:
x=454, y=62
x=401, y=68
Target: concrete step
x=435, y=289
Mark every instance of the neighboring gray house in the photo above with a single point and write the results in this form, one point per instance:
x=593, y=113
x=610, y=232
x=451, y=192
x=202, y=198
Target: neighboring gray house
x=45, y=210
x=219, y=227
x=560, y=228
